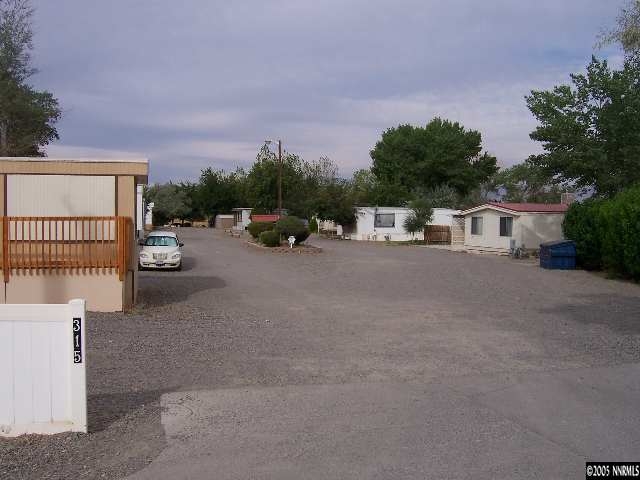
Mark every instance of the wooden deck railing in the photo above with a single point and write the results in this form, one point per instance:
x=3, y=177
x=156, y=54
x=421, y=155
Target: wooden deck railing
x=66, y=244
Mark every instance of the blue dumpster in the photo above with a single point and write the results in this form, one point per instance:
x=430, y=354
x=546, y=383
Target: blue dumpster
x=558, y=255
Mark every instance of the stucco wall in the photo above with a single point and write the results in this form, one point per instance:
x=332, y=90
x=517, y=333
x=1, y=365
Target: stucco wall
x=103, y=291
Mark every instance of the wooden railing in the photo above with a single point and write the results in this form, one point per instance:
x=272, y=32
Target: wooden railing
x=66, y=245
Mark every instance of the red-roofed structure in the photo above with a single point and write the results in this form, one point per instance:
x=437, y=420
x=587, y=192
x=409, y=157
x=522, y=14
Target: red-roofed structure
x=532, y=207
x=265, y=218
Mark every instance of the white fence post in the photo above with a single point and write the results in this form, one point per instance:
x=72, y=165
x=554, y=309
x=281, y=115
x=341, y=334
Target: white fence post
x=43, y=369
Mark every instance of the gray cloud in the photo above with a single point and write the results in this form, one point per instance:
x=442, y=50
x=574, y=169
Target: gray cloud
x=198, y=83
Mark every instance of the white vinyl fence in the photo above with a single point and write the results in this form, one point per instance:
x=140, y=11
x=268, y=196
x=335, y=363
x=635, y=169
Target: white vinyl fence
x=42, y=369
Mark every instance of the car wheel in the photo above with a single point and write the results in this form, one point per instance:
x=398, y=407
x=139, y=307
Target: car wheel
x=140, y=268
x=179, y=267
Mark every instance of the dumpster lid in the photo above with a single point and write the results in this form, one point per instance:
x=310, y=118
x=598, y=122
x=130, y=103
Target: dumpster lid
x=557, y=243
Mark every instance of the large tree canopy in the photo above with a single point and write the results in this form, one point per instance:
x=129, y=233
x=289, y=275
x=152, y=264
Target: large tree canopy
x=590, y=130
x=27, y=116
x=409, y=160
x=627, y=30
x=219, y=191
x=525, y=182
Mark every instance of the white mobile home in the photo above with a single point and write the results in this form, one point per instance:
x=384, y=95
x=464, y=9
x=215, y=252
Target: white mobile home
x=386, y=223
x=496, y=227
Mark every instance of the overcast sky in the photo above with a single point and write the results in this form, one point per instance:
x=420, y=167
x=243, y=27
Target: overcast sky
x=202, y=83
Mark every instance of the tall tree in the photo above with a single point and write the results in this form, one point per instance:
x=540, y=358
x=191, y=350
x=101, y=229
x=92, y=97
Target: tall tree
x=219, y=192
x=335, y=201
x=262, y=184
x=363, y=184
x=627, y=29
x=526, y=182
x=27, y=116
x=411, y=159
x=170, y=202
x=590, y=130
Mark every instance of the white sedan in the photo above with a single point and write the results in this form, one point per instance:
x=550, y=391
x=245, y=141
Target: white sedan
x=161, y=250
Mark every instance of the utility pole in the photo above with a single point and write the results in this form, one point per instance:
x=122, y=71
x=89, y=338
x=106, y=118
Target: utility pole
x=280, y=177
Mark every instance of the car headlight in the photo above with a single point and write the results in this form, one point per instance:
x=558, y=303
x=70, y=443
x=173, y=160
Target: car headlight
x=144, y=255
x=176, y=255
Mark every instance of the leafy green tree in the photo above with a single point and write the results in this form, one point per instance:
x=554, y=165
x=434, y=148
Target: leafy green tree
x=526, y=182
x=590, y=130
x=336, y=202
x=421, y=213
x=170, y=202
x=262, y=184
x=219, y=192
x=627, y=30
x=442, y=196
x=363, y=186
x=408, y=160
x=27, y=116
x=191, y=192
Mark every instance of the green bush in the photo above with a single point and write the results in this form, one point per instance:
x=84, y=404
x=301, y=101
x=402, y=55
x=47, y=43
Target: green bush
x=291, y=225
x=621, y=234
x=313, y=225
x=582, y=225
x=607, y=233
x=256, y=228
x=270, y=238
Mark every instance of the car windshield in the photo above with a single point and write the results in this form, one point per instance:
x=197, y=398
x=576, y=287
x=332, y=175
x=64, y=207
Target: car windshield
x=158, y=241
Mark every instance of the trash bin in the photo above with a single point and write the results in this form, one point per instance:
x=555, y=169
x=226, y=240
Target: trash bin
x=558, y=255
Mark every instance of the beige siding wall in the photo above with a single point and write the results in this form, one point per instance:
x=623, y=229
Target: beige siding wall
x=537, y=228
x=103, y=291
x=127, y=208
x=60, y=195
x=490, y=237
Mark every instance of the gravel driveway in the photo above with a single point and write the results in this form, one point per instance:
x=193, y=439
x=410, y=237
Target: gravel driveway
x=359, y=321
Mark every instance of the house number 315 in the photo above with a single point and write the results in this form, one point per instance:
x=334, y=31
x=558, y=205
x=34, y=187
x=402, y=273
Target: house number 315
x=77, y=340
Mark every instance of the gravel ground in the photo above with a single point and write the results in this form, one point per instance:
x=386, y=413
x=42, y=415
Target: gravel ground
x=355, y=313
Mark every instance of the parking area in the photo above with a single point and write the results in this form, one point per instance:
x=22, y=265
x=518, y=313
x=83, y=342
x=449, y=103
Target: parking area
x=364, y=361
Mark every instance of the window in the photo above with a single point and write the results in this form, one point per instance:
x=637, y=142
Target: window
x=506, y=226
x=385, y=220
x=476, y=225
x=158, y=241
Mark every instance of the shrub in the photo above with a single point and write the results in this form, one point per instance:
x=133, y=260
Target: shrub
x=313, y=225
x=606, y=233
x=291, y=225
x=301, y=237
x=256, y=228
x=621, y=234
x=582, y=225
x=270, y=238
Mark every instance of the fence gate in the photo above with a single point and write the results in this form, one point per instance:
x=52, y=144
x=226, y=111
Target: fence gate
x=42, y=369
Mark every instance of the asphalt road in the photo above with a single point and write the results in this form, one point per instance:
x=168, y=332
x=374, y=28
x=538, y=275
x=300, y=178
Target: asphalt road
x=364, y=361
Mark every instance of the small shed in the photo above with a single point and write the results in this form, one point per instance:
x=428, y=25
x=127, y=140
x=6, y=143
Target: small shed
x=241, y=218
x=223, y=221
